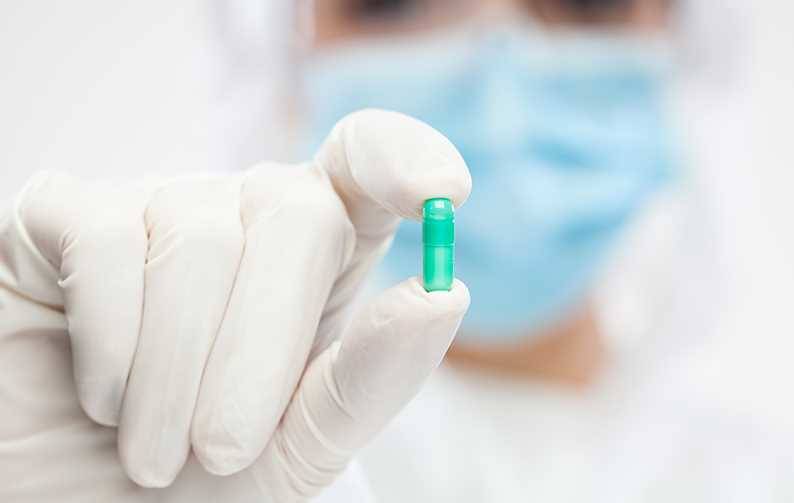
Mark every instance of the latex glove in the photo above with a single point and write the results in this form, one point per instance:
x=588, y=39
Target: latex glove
x=194, y=306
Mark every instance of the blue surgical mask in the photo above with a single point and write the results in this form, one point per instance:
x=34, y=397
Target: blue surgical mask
x=568, y=133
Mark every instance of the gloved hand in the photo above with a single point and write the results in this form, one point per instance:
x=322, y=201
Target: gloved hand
x=211, y=312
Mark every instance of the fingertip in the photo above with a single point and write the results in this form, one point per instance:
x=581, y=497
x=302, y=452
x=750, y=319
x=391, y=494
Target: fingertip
x=223, y=443
x=151, y=474
x=422, y=162
x=455, y=299
x=150, y=459
x=400, y=161
x=221, y=461
x=218, y=451
x=149, y=479
x=101, y=401
x=454, y=302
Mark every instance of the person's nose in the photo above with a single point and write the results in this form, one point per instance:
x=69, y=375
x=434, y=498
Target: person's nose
x=500, y=11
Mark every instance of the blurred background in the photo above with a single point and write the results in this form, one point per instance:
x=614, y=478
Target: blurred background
x=683, y=334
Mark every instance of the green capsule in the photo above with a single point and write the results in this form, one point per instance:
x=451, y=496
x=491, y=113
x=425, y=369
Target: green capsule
x=438, y=242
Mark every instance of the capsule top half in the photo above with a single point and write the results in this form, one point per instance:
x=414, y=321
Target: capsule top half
x=438, y=227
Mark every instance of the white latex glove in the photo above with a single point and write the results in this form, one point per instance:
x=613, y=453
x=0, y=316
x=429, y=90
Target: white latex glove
x=194, y=310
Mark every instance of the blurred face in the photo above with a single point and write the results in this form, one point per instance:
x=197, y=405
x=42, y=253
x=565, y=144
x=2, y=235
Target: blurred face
x=556, y=107
x=342, y=20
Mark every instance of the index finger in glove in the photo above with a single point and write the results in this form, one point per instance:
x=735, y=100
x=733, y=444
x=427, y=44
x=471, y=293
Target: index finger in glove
x=384, y=165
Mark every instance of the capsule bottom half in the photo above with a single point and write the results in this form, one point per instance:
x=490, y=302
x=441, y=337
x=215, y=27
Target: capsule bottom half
x=438, y=267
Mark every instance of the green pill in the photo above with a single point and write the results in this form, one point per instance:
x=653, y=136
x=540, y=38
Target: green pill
x=438, y=243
